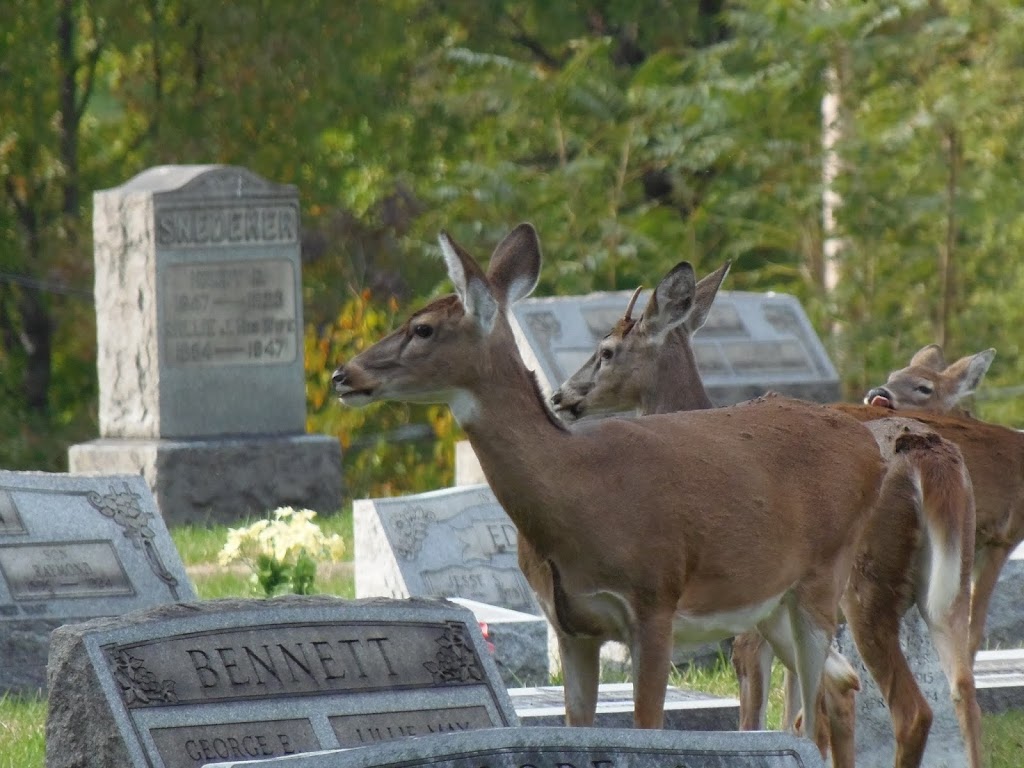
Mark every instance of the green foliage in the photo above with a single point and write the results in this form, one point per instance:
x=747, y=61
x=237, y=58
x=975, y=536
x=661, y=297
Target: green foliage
x=378, y=460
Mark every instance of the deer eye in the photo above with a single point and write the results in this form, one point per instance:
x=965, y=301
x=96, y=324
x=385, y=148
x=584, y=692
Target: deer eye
x=607, y=353
x=423, y=330
x=924, y=389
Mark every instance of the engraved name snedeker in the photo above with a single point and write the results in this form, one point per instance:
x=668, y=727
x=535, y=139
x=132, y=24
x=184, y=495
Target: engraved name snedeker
x=257, y=662
x=229, y=313
x=239, y=225
x=64, y=570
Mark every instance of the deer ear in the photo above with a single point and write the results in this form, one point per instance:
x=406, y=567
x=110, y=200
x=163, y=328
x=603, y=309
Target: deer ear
x=970, y=371
x=515, y=265
x=707, y=289
x=672, y=301
x=470, y=283
x=929, y=357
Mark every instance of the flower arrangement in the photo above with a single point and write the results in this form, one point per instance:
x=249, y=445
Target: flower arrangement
x=282, y=551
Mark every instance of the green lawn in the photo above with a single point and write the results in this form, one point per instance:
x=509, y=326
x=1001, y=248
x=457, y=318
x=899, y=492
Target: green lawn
x=22, y=719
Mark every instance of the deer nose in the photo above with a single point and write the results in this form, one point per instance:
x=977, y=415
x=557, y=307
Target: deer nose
x=556, y=397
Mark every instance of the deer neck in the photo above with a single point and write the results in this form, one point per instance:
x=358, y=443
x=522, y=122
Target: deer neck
x=522, y=448
x=677, y=385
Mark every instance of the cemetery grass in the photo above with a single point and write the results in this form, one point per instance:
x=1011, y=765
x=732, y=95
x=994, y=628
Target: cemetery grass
x=23, y=719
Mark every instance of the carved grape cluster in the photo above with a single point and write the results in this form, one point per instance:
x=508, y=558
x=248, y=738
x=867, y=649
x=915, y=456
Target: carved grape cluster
x=411, y=530
x=138, y=684
x=456, y=661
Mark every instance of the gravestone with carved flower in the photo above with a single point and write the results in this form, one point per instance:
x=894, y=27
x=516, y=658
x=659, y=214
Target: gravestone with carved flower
x=74, y=548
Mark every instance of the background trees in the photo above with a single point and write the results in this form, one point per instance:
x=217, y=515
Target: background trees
x=633, y=133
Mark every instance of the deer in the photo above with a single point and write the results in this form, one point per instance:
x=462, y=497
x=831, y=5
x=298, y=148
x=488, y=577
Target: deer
x=928, y=384
x=925, y=516
x=694, y=526
x=929, y=391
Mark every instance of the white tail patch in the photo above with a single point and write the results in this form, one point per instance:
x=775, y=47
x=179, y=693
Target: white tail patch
x=943, y=562
x=838, y=671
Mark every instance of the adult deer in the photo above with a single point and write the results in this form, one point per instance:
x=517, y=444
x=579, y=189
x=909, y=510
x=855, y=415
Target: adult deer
x=994, y=456
x=928, y=384
x=698, y=525
x=917, y=547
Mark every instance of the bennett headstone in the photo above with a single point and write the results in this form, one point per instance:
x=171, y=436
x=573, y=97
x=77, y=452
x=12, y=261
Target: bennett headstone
x=71, y=549
x=875, y=742
x=187, y=685
x=575, y=748
x=199, y=346
x=751, y=343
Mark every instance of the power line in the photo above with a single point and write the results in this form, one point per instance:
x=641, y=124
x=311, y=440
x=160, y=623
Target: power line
x=46, y=286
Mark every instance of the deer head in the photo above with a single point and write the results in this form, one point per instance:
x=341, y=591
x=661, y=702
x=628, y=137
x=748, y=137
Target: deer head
x=647, y=363
x=928, y=384
x=442, y=351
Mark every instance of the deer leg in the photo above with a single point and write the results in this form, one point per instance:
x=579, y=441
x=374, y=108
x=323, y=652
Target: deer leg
x=652, y=659
x=752, y=660
x=988, y=562
x=874, y=622
x=949, y=634
x=581, y=668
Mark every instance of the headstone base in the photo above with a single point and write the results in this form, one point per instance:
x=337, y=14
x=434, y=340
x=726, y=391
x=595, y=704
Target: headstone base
x=223, y=480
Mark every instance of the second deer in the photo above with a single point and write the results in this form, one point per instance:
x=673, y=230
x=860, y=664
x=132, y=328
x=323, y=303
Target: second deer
x=918, y=545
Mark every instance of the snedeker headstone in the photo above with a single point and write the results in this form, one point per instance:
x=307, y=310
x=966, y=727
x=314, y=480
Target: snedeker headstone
x=200, y=346
x=187, y=685
x=74, y=548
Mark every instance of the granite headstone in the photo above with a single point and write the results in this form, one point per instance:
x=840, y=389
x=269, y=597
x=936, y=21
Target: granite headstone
x=200, y=346
x=751, y=343
x=875, y=743
x=187, y=685
x=456, y=542
x=71, y=549
x=519, y=640
x=574, y=748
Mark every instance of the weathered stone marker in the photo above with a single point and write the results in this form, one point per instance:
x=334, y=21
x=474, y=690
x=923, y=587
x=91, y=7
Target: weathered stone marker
x=1004, y=627
x=456, y=542
x=875, y=742
x=200, y=354
x=999, y=676
x=574, y=748
x=187, y=685
x=74, y=548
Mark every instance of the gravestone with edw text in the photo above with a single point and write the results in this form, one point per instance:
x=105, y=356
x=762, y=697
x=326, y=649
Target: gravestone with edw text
x=457, y=543
x=187, y=685
x=74, y=548
x=200, y=346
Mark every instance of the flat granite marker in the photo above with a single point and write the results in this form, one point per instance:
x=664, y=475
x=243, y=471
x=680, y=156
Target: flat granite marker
x=999, y=677
x=75, y=548
x=199, y=346
x=685, y=710
x=186, y=685
x=572, y=748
